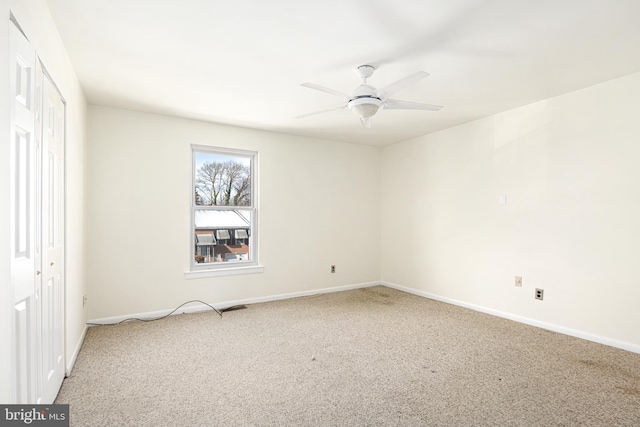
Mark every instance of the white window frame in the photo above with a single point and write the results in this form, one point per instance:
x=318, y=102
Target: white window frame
x=197, y=270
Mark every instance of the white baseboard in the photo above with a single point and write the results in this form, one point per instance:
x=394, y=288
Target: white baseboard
x=634, y=348
x=198, y=307
x=74, y=356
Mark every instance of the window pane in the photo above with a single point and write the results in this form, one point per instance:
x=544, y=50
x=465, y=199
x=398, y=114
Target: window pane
x=222, y=179
x=222, y=235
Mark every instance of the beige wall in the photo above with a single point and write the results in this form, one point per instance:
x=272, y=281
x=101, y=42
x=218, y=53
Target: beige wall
x=319, y=205
x=569, y=169
x=35, y=20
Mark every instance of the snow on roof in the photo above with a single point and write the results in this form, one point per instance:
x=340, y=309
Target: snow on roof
x=222, y=219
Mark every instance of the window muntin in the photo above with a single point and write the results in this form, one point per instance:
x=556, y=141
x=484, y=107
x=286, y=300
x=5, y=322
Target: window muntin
x=223, y=212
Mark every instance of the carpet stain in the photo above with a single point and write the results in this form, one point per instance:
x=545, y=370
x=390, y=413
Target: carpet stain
x=374, y=292
x=593, y=364
x=377, y=296
x=610, y=369
x=628, y=391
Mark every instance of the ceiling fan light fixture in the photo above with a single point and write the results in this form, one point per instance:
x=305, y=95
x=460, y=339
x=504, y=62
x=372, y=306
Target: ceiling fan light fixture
x=365, y=107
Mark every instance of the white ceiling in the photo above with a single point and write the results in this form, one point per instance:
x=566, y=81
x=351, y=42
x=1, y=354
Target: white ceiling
x=242, y=62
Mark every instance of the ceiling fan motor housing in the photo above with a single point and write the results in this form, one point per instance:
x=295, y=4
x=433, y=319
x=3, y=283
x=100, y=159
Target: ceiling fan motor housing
x=364, y=102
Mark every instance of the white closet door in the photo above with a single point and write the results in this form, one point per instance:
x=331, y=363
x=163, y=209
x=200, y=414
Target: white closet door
x=51, y=292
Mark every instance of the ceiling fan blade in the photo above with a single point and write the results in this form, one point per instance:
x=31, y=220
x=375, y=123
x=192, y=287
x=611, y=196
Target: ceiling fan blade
x=388, y=90
x=326, y=90
x=320, y=112
x=396, y=104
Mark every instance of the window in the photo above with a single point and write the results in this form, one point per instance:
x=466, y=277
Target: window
x=223, y=212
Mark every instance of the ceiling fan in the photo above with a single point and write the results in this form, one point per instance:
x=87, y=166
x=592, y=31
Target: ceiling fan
x=366, y=99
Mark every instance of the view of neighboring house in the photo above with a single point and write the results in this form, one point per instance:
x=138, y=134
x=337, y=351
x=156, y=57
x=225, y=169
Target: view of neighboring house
x=221, y=236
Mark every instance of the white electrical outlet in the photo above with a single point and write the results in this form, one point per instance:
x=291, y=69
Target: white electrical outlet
x=519, y=281
x=333, y=268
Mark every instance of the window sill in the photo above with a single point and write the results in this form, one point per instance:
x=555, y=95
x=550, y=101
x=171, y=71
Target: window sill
x=219, y=272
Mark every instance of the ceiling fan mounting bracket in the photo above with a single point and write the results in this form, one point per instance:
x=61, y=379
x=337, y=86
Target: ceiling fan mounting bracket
x=365, y=71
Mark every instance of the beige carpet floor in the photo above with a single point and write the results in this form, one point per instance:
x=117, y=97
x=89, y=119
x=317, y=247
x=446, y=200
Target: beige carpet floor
x=367, y=357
